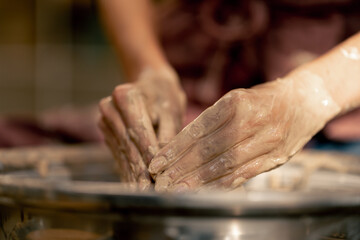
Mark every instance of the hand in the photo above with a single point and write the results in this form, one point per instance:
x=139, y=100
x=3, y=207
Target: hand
x=248, y=131
x=140, y=116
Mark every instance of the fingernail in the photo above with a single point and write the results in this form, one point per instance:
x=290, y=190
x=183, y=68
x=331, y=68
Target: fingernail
x=162, y=183
x=157, y=164
x=180, y=188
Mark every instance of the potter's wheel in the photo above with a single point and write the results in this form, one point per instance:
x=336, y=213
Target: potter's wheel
x=74, y=193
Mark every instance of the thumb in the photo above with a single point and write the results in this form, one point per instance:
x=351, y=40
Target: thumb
x=169, y=126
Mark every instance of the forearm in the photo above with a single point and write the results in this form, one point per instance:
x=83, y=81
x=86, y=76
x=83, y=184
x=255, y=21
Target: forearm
x=130, y=26
x=336, y=74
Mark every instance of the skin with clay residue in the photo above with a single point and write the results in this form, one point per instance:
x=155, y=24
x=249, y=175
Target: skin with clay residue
x=245, y=133
x=129, y=118
x=250, y=131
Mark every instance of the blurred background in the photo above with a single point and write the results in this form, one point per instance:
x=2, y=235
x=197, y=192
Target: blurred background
x=53, y=53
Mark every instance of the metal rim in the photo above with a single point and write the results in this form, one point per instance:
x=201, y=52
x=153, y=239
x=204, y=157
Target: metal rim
x=103, y=197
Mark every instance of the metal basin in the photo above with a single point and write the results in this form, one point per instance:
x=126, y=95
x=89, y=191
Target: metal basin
x=74, y=193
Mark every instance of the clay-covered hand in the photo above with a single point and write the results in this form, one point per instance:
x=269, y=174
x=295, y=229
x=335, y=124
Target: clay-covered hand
x=138, y=118
x=248, y=131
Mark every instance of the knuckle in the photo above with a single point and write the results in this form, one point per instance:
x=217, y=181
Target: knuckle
x=237, y=95
x=173, y=173
x=262, y=114
x=239, y=101
x=195, y=130
x=207, y=149
x=236, y=182
x=118, y=91
x=276, y=135
x=214, y=115
x=260, y=117
x=122, y=90
x=204, y=176
x=246, y=171
x=228, y=161
x=103, y=102
x=168, y=155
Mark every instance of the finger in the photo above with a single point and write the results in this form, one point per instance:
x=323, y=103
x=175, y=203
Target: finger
x=224, y=163
x=126, y=174
x=202, y=152
x=116, y=125
x=243, y=173
x=210, y=120
x=130, y=103
x=169, y=126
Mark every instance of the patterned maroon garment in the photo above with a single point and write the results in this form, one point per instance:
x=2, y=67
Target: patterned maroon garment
x=219, y=45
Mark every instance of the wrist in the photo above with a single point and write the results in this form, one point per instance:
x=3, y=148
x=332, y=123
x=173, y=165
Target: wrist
x=159, y=73
x=301, y=103
x=310, y=93
x=148, y=61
